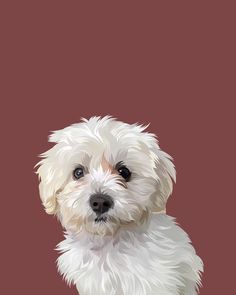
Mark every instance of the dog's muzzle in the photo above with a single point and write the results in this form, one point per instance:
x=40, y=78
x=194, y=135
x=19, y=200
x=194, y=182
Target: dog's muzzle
x=100, y=203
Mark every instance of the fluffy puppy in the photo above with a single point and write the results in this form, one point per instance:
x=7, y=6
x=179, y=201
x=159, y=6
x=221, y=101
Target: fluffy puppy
x=108, y=183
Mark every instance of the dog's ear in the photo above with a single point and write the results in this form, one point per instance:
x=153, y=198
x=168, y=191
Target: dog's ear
x=49, y=184
x=51, y=169
x=165, y=175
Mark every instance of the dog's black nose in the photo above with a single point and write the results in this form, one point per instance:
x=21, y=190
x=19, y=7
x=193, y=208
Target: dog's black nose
x=101, y=203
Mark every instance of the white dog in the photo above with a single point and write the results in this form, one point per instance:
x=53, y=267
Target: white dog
x=108, y=183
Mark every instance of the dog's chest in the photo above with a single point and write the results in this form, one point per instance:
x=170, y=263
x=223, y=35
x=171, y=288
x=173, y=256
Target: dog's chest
x=129, y=264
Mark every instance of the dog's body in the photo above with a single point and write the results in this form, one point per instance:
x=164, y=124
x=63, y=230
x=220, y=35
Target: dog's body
x=108, y=183
x=155, y=258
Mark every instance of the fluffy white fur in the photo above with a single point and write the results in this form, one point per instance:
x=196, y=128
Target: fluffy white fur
x=139, y=250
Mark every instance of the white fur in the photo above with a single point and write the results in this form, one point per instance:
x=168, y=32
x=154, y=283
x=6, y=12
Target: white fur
x=138, y=251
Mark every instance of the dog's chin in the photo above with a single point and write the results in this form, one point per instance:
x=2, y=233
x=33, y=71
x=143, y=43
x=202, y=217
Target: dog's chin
x=101, y=225
x=109, y=225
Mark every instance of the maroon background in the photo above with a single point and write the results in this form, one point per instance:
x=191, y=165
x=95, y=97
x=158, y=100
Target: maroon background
x=171, y=63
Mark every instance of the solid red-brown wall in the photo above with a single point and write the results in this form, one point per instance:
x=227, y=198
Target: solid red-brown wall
x=170, y=63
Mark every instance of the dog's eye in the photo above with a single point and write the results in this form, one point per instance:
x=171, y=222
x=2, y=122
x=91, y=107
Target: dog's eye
x=124, y=172
x=78, y=173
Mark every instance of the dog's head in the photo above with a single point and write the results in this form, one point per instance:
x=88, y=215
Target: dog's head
x=103, y=174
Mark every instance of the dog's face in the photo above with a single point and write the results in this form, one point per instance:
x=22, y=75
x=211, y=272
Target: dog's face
x=103, y=174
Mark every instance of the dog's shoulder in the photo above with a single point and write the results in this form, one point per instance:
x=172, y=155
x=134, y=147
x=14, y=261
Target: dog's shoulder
x=165, y=227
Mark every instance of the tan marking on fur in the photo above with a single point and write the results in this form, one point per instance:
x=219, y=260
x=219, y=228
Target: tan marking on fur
x=108, y=167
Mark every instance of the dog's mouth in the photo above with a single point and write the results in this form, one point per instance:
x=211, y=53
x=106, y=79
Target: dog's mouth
x=101, y=219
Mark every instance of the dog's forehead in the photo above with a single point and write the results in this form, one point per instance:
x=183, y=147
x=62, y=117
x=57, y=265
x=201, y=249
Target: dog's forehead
x=107, y=141
x=102, y=154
